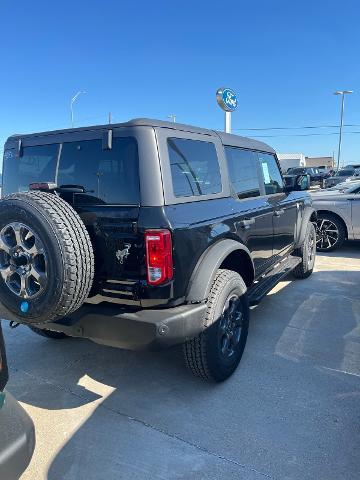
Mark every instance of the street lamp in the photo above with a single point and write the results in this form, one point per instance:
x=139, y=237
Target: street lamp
x=342, y=93
x=71, y=105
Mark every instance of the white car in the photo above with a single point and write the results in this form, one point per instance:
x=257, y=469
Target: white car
x=338, y=210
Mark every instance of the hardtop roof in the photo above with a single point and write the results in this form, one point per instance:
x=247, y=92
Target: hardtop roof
x=226, y=138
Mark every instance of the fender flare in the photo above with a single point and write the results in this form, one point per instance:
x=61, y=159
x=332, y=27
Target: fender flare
x=203, y=275
x=309, y=213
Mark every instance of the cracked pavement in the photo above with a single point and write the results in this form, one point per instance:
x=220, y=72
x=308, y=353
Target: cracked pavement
x=291, y=410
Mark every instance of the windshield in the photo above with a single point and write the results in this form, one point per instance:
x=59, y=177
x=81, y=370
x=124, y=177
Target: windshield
x=296, y=171
x=345, y=187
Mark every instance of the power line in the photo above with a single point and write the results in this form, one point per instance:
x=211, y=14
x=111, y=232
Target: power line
x=297, y=128
x=302, y=134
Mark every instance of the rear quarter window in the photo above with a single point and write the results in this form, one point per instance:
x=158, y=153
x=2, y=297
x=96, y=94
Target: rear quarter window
x=194, y=167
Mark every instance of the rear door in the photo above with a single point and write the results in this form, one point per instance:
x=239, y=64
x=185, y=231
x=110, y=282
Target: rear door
x=102, y=184
x=286, y=205
x=100, y=179
x=254, y=212
x=354, y=200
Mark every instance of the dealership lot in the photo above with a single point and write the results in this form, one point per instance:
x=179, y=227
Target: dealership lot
x=290, y=411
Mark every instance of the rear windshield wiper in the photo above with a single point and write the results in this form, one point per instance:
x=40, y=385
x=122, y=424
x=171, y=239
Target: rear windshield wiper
x=73, y=189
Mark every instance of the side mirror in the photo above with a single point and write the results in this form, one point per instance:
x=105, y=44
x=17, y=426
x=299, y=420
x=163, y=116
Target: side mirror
x=296, y=183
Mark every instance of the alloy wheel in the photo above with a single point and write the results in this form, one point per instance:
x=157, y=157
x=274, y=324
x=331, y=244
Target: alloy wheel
x=230, y=326
x=22, y=260
x=327, y=233
x=311, y=248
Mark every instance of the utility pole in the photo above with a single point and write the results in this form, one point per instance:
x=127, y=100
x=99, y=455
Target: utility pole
x=342, y=93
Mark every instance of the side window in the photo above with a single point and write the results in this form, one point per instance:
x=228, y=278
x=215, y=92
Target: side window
x=194, y=167
x=243, y=171
x=108, y=176
x=271, y=174
x=36, y=164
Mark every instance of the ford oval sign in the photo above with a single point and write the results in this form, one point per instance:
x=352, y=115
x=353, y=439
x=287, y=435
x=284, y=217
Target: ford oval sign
x=227, y=99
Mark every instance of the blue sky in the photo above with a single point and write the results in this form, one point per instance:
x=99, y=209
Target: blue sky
x=140, y=58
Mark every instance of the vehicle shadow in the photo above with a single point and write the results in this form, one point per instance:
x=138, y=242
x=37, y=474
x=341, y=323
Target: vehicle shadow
x=138, y=398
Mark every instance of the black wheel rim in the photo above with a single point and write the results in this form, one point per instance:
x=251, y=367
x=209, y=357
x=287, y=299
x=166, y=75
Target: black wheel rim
x=23, y=264
x=230, y=326
x=327, y=234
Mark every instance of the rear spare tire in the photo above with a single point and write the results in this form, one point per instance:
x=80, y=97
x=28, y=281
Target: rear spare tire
x=46, y=257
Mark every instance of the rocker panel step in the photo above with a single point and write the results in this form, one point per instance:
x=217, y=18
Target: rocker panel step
x=266, y=283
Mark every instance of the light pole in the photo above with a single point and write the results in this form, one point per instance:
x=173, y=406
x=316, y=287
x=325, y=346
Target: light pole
x=71, y=105
x=342, y=93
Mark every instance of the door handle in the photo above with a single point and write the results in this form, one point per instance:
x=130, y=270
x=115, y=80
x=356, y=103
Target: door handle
x=277, y=213
x=246, y=222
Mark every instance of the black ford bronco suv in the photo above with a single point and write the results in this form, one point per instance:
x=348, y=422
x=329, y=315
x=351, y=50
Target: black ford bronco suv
x=148, y=234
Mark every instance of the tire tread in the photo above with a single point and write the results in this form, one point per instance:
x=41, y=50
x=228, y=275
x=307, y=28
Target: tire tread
x=195, y=349
x=75, y=245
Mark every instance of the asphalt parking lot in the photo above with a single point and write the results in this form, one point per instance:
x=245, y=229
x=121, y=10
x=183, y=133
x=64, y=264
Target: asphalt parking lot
x=291, y=411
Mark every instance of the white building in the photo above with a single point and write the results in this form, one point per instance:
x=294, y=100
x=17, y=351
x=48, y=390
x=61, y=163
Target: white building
x=289, y=160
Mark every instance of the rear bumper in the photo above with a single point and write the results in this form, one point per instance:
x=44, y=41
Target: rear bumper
x=17, y=439
x=147, y=329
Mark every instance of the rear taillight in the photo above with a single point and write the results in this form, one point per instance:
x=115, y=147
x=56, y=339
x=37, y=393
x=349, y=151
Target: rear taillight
x=159, y=262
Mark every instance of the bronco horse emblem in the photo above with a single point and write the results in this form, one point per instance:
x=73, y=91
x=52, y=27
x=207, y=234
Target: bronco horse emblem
x=122, y=254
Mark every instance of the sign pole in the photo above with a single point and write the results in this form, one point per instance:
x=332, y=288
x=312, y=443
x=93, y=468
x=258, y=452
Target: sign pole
x=227, y=101
x=228, y=122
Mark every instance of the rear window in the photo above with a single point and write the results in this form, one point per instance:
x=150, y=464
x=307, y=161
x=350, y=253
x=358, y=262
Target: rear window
x=194, y=167
x=37, y=164
x=108, y=176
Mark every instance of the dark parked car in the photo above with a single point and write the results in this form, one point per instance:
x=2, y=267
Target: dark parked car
x=17, y=437
x=341, y=176
x=148, y=234
x=353, y=165
x=316, y=176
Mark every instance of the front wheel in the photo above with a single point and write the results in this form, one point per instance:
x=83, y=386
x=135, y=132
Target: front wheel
x=216, y=352
x=307, y=252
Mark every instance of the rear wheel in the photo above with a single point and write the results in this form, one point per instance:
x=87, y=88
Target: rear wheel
x=216, y=352
x=330, y=232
